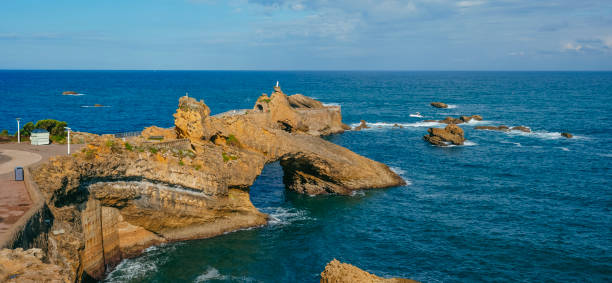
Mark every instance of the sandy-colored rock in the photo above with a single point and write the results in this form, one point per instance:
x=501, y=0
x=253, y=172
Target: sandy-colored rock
x=451, y=134
x=26, y=266
x=461, y=119
x=338, y=272
x=69, y=92
x=112, y=200
x=362, y=125
x=302, y=101
x=439, y=105
x=154, y=131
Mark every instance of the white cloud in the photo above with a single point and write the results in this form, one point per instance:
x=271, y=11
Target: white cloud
x=470, y=3
x=519, y=53
x=571, y=46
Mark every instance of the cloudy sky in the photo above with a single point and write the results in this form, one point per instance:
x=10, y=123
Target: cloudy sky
x=307, y=35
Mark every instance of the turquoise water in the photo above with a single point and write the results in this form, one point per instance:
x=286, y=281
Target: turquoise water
x=507, y=206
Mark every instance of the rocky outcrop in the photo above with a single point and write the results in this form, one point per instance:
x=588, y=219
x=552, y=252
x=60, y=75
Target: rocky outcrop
x=567, y=135
x=116, y=197
x=451, y=134
x=301, y=101
x=439, y=105
x=338, y=272
x=26, y=266
x=502, y=128
x=461, y=119
x=69, y=92
x=362, y=125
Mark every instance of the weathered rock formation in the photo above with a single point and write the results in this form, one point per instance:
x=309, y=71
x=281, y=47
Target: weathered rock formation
x=362, y=125
x=439, y=105
x=338, y=272
x=115, y=198
x=451, y=134
x=461, y=119
x=26, y=266
x=567, y=135
x=69, y=92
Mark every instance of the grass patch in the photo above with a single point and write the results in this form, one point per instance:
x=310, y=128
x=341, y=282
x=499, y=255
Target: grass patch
x=197, y=167
x=232, y=140
x=227, y=157
x=266, y=100
x=128, y=146
x=153, y=150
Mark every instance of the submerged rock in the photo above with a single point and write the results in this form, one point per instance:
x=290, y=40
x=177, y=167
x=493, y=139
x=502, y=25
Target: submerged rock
x=439, y=105
x=521, y=128
x=338, y=272
x=567, y=135
x=502, y=128
x=452, y=134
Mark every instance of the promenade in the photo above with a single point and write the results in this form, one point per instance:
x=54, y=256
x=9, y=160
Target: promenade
x=15, y=200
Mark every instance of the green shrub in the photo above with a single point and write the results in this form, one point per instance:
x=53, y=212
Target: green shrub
x=128, y=146
x=227, y=157
x=197, y=167
x=110, y=143
x=4, y=133
x=181, y=162
x=232, y=140
x=266, y=100
x=153, y=150
x=90, y=154
x=54, y=127
x=27, y=129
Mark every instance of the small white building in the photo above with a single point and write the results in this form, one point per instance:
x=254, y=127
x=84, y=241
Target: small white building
x=39, y=137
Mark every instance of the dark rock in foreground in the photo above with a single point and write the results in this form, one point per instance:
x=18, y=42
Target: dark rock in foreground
x=567, y=135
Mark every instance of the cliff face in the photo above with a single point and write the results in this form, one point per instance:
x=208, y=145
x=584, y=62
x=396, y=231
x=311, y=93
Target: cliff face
x=115, y=198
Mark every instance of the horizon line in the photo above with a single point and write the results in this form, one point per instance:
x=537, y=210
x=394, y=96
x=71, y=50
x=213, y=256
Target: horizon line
x=312, y=70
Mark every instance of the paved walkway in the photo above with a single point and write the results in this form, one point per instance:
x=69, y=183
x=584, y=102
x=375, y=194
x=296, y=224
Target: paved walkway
x=14, y=197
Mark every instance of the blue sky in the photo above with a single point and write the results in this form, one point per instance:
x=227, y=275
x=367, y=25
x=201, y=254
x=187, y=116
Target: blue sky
x=307, y=35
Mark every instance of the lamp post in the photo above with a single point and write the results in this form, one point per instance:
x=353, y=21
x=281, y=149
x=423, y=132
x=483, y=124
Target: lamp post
x=18, y=131
x=68, y=129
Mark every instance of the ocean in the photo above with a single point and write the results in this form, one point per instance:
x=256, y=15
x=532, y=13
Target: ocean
x=525, y=207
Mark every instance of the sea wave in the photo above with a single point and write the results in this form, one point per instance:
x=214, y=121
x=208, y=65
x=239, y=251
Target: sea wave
x=376, y=125
x=331, y=104
x=563, y=148
x=451, y=106
x=402, y=173
x=213, y=274
x=284, y=216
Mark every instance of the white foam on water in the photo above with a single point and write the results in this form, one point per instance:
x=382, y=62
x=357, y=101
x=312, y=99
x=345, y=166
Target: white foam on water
x=358, y=193
x=452, y=106
x=376, y=125
x=93, y=106
x=131, y=269
x=538, y=134
x=469, y=143
x=402, y=173
x=563, y=148
x=284, y=216
x=606, y=155
x=331, y=104
x=209, y=274
x=514, y=143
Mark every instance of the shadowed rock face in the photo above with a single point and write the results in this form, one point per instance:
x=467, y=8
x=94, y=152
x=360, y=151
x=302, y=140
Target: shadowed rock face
x=113, y=199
